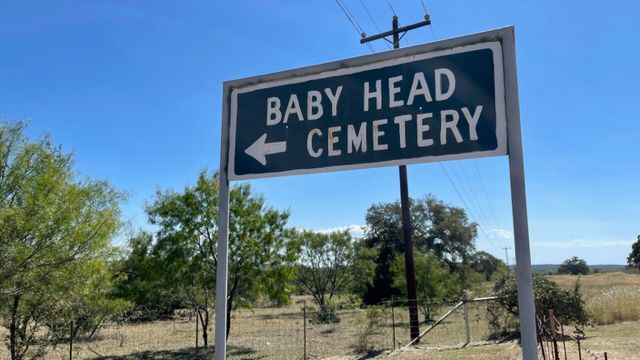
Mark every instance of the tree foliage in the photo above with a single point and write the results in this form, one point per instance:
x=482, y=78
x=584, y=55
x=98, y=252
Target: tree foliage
x=260, y=246
x=633, y=260
x=574, y=266
x=49, y=223
x=486, y=264
x=568, y=305
x=438, y=228
x=331, y=264
x=434, y=281
x=143, y=281
x=83, y=299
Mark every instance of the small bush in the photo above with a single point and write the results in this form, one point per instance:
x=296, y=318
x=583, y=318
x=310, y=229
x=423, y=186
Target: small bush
x=568, y=305
x=349, y=302
x=373, y=326
x=325, y=315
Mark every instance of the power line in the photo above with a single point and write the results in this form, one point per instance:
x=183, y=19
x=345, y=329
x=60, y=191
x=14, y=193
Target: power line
x=350, y=16
x=424, y=7
x=391, y=7
x=478, y=204
x=353, y=21
x=466, y=186
x=462, y=185
x=426, y=14
x=486, y=196
x=366, y=9
x=472, y=199
x=475, y=197
x=468, y=208
x=471, y=214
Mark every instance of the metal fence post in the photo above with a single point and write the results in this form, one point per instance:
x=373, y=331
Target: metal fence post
x=467, y=325
x=564, y=344
x=71, y=341
x=304, y=329
x=197, y=319
x=542, y=352
x=552, y=331
x=579, y=350
x=393, y=321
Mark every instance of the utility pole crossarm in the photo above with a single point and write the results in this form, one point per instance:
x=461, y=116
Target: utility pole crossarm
x=403, y=29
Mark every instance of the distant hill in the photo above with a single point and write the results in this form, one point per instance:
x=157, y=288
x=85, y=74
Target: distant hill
x=554, y=267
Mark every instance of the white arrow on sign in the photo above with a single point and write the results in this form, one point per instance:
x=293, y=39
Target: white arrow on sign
x=260, y=149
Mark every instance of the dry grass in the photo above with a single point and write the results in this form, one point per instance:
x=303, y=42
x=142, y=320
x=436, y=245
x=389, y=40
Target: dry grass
x=619, y=341
x=278, y=333
x=273, y=333
x=610, y=297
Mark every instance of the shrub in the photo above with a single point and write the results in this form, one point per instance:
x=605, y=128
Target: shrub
x=568, y=305
x=374, y=323
x=326, y=315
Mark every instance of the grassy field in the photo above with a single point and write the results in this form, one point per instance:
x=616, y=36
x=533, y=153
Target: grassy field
x=278, y=333
x=619, y=341
x=611, y=297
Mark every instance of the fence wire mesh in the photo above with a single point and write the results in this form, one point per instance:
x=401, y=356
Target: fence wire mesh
x=291, y=332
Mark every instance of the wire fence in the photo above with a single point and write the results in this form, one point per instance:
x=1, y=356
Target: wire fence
x=303, y=334
x=555, y=342
x=300, y=331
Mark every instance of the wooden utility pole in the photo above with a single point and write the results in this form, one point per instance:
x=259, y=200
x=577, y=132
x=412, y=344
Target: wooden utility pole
x=398, y=33
x=506, y=256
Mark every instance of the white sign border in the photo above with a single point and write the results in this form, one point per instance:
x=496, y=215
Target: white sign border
x=314, y=74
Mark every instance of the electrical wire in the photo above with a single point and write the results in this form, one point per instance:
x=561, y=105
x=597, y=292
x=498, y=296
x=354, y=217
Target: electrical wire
x=375, y=24
x=353, y=21
x=426, y=13
x=366, y=9
x=347, y=12
x=473, y=192
x=424, y=7
x=486, y=196
x=391, y=7
x=471, y=214
x=474, y=200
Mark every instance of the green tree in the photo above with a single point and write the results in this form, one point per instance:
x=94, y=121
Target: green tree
x=633, y=260
x=446, y=231
x=331, y=264
x=143, y=280
x=82, y=300
x=260, y=246
x=574, y=266
x=48, y=221
x=434, y=282
x=486, y=264
x=438, y=228
x=384, y=234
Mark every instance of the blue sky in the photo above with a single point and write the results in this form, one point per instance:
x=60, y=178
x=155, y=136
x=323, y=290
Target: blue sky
x=133, y=89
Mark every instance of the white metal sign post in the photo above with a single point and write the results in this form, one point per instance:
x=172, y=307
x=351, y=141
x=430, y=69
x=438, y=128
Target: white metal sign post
x=447, y=100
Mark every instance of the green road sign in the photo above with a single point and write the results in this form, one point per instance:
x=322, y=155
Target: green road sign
x=371, y=111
